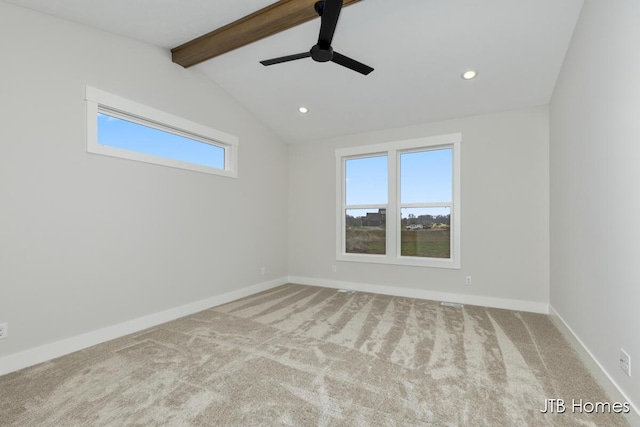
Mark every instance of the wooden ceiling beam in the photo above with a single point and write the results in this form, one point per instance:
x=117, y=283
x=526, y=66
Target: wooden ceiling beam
x=266, y=22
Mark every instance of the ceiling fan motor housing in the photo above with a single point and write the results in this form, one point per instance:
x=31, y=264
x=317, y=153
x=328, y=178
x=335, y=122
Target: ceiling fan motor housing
x=321, y=54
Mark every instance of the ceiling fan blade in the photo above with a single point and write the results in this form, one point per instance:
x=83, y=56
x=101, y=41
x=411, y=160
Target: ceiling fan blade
x=345, y=61
x=286, y=58
x=330, y=14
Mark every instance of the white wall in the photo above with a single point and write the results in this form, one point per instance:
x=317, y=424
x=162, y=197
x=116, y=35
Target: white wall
x=595, y=176
x=88, y=241
x=505, y=202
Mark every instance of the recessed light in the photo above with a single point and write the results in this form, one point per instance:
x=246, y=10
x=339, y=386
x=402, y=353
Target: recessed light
x=303, y=110
x=469, y=74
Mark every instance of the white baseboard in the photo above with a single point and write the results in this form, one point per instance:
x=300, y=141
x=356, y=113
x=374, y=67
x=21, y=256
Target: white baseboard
x=509, y=304
x=14, y=362
x=597, y=370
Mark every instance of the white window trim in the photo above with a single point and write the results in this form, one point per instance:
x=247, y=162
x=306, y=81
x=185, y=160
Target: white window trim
x=392, y=150
x=110, y=104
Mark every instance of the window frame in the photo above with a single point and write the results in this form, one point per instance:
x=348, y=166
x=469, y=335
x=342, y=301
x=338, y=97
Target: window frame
x=393, y=150
x=99, y=101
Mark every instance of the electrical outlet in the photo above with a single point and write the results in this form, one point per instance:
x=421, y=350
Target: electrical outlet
x=4, y=330
x=334, y=269
x=263, y=270
x=467, y=280
x=625, y=362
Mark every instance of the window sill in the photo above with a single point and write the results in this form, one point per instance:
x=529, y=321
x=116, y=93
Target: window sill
x=403, y=261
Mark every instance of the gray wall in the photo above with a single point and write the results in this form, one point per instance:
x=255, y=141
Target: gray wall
x=505, y=204
x=88, y=241
x=595, y=176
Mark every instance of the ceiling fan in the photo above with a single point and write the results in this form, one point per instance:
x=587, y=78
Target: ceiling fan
x=329, y=10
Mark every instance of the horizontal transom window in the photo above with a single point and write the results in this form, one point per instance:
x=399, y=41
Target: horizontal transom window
x=122, y=128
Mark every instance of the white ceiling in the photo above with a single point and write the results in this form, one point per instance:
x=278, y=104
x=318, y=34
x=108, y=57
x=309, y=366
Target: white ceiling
x=419, y=49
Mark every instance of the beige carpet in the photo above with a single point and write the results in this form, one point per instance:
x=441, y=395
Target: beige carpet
x=309, y=356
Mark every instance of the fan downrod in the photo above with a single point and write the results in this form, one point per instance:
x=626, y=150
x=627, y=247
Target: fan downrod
x=318, y=53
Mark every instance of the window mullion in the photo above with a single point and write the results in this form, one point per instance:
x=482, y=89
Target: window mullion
x=393, y=214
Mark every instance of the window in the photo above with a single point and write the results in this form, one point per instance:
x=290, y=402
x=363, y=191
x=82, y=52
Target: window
x=122, y=128
x=398, y=203
x=366, y=205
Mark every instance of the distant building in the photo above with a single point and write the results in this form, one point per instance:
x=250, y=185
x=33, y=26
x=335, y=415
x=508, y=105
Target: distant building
x=375, y=219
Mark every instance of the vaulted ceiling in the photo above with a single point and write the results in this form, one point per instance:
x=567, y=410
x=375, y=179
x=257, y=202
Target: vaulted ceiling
x=418, y=48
